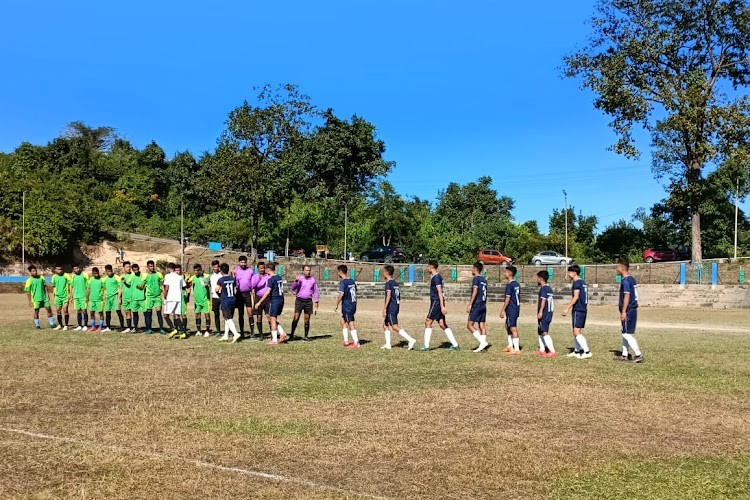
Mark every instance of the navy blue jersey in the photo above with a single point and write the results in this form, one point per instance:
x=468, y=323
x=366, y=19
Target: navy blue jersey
x=583, y=296
x=228, y=291
x=546, y=293
x=276, y=285
x=481, y=286
x=394, y=303
x=435, y=281
x=349, y=288
x=628, y=285
x=513, y=290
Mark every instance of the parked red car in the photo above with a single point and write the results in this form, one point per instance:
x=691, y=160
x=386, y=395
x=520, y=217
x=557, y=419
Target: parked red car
x=660, y=255
x=489, y=256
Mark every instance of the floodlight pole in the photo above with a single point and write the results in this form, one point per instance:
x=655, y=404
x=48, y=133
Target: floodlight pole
x=182, y=235
x=346, y=223
x=23, y=231
x=736, y=213
x=565, y=194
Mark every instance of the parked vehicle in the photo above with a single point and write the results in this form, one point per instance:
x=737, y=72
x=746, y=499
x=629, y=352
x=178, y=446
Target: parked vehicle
x=489, y=257
x=383, y=254
x=550, y=258
x=660, y=254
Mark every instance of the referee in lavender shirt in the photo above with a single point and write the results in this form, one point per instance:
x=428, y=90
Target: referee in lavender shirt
x=259, y=285
x=244, y=299
x=306, y=289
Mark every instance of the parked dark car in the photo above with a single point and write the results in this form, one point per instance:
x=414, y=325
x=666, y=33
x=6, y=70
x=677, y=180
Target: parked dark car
x=660, y=254
x=383, y=254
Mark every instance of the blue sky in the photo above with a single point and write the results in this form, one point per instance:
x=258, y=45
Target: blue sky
x=456, y=90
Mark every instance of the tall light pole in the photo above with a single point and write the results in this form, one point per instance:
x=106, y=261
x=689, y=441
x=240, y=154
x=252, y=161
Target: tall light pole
x=23, y=231
x=346, y=223
x=565, y=194
x=182, y=235
x=736, y=212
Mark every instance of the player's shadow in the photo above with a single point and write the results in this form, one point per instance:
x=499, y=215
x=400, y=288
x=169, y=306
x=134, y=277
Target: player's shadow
x=617, y=353
x=315, y=337
x=364, y=341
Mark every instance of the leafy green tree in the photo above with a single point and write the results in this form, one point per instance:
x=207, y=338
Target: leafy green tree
x=675, y=68
x=621, y=239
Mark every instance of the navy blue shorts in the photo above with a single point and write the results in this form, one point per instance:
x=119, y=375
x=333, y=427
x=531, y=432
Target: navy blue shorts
x=478, y=315
x=511, y=321
x=543, y=325
x=579, y=319
x=275, y=309
x=435, y=313
x=391, y=319
x=631, y=318
x=348, y=314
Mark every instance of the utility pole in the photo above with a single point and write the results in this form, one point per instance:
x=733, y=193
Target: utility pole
x=565, y=194
x=736, y=212
x=346, y=223
x=23, y=232
x=182, y=235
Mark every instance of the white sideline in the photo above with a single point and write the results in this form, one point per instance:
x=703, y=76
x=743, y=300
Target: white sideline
x=197, y=463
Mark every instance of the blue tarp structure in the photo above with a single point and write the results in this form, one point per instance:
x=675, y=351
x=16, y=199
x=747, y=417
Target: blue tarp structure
x=214, y=246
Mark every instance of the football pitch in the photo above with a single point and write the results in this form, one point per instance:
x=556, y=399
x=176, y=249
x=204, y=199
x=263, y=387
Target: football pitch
x=86, y=415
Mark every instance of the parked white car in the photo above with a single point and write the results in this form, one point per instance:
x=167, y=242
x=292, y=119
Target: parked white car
x=550, y=258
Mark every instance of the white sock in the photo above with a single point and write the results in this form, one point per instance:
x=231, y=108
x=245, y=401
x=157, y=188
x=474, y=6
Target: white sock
x=355, y=339
x=387, y=334
x=576, y=345
x=345, y=332
x=541, y=343
x=516, y=344
x=405, y=335
x=548, y=342
x=510, y=341
x=274, y=335
x=427, y=336
x=232, y=328
x=477, y=335
x=582, y=342
x=280, y=329
x=451, y=338
x=624, y=345
x=633, y=343
x=483, y=338
x=226, y=328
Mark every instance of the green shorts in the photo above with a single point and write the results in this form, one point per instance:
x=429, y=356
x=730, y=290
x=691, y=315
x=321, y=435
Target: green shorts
x=202, y=307
x=137, y=305
x=61, y=302
x=112, y=304
x=79, y=304
x=96, y=306
x=41, y=304
x=152, y=302
x=183, y=308
x=127, y=304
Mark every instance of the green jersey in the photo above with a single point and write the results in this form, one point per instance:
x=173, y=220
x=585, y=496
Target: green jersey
x=60, y=284
x=127, y=288
x=37, y=288
x=79, y=283
x=153, y=284
x=200, y=288
x=111, y=285
x=95, y=285
x=137, y=281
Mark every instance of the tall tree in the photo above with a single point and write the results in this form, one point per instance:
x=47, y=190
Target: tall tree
x=673, y=67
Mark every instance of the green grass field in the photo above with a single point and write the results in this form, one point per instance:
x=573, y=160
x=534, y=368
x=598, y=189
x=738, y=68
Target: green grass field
x=93, y=416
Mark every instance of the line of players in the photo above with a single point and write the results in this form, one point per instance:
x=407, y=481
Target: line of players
x=259, y=293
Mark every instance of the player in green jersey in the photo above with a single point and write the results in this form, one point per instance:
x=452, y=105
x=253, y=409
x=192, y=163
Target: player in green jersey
x=200, y=284
x=61, y=292
x=78, y=291
x=96, y=300
x=127, y=294
x=154, y=280
x=112, y=300
x=36, y=289
x=138, y=298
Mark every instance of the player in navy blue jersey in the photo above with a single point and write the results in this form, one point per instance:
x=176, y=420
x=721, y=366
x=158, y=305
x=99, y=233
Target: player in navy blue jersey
x=391, y=308
x=437, y=310
x=628, y=306
x=226, y=288
x=544, y=309
x=477, y=307
x=348, y=301
x=511, y=310
x=274, y=295
x=579, y=305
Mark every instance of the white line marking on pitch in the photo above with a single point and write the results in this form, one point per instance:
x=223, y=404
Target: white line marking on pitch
x=197, y=463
